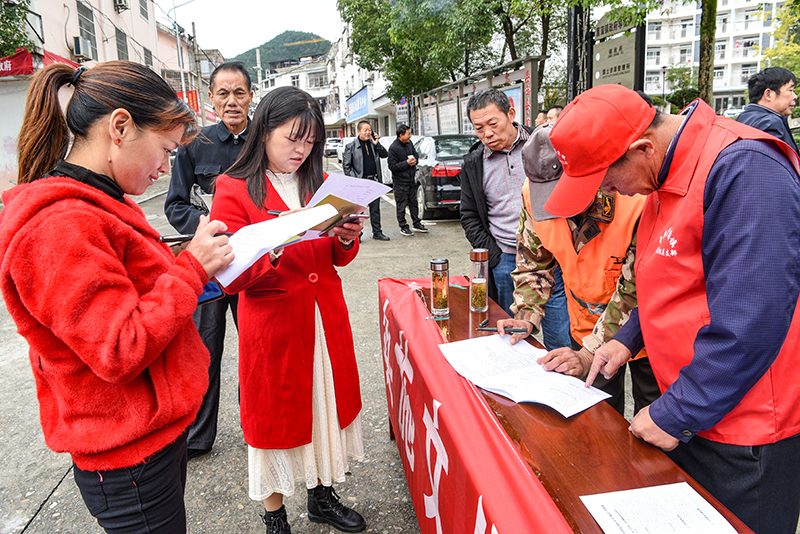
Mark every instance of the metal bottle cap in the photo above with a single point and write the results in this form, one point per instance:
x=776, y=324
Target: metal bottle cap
x=479, y=254
x=439, y=264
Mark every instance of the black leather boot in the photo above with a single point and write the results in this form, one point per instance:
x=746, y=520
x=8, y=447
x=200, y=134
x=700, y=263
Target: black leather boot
x=277, y=522
x=324, y=507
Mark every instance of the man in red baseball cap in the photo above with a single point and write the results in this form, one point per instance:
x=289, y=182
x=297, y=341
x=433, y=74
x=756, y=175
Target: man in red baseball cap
x=717, y=280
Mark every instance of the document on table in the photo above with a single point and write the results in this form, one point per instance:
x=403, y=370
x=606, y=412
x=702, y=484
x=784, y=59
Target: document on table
x=347, y=194
x=669, y=509
x=253, y=241
x=492, y=363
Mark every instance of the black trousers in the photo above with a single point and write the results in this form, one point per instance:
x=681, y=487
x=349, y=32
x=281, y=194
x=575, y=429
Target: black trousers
x=405, y=194
x=210, y=322
x=143, y=499
x=759, y=484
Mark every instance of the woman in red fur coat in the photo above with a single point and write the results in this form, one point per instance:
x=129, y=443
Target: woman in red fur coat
x=106, y=308
x=300, y=397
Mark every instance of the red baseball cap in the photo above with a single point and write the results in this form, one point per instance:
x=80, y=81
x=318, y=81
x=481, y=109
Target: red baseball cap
x=592, y=133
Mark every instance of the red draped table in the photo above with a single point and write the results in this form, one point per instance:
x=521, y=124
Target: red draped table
x=479, y=463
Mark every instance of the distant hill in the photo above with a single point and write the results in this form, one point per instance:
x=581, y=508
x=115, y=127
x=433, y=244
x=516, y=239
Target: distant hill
x=274, y=50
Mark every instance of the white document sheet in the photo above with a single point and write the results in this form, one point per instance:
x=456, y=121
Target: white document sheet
x=493, y=364
x=255, y=240
x=669, y=509
x=356, y=190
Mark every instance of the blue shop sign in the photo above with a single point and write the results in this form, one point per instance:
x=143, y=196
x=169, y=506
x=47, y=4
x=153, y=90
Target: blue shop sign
x=358, y=105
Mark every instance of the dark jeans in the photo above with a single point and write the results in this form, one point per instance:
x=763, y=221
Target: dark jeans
x=759, y=484
x=405, y=194
x=555, y=323
x=143, y=499
x=210, y=322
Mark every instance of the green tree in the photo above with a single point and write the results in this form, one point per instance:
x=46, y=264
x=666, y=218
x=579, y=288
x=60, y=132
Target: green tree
x=12, y=27
x=786, y=50
x=421, y=44
x=683, y=81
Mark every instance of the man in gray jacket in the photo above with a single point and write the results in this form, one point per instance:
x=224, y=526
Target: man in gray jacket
x=361, y=159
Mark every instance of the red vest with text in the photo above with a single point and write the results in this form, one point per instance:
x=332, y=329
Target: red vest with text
x=591, y=275
x=672, y=292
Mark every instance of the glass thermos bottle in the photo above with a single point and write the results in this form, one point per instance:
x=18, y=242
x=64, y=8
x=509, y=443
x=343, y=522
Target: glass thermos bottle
x=478, y=299
x=440, y=282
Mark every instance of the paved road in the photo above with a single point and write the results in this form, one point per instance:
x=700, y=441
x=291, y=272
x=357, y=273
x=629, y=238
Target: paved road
x=38, y=495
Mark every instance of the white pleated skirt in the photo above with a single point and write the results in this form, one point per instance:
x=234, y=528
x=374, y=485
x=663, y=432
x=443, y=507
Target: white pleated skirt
x=326, y=457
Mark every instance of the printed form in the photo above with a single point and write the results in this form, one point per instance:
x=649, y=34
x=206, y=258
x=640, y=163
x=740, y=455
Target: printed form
x=669, y=509
x=492, y=363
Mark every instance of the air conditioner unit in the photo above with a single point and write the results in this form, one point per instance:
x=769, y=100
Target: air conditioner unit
x=82, y=48
x=120, y=5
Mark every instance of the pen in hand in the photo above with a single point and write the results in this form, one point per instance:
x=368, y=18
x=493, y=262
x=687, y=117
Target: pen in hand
x=182, y=238
x=508, y=330
x=276, y=213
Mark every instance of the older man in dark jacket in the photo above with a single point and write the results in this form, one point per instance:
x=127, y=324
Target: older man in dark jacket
x=772, y=98
x=403, y=164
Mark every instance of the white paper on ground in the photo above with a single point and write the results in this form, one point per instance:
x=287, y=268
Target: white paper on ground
x=492, y=363
x=668, y=509
x=253, y=241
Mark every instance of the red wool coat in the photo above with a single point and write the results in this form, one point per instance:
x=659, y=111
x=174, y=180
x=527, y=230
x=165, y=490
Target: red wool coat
x=120, y=369
x=276, y=327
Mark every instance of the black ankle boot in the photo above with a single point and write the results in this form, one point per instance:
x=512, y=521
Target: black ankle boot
x=276, y=521
x=324, y=507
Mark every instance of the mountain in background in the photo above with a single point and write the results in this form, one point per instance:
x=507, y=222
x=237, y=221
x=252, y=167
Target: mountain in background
x=275, y=50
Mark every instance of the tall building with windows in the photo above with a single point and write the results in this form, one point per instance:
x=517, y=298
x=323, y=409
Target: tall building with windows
x=744, y=30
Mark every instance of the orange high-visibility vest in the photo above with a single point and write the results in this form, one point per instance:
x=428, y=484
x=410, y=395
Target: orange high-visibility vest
x=591, y=275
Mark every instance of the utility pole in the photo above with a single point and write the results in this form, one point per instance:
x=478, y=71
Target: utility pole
x=258, y=68
x=200, y=90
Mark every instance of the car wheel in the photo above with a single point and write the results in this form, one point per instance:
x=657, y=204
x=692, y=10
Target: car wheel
x=424, y=212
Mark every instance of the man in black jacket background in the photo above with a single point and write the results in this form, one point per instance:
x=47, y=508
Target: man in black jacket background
x=403, y=164
x=361, y=159
x=196, y=167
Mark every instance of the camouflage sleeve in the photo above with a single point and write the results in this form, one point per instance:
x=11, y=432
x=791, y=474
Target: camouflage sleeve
x=619, y=308
x=533, y=278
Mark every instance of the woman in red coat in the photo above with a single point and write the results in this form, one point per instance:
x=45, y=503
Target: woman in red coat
x=300, y=396
x=105, y=306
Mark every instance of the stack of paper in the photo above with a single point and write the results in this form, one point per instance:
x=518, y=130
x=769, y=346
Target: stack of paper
x=493, y=364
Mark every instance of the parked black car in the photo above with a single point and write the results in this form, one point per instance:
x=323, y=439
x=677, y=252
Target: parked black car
x=438, y=168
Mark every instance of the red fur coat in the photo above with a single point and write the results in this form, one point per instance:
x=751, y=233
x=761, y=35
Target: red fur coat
x=106, y=310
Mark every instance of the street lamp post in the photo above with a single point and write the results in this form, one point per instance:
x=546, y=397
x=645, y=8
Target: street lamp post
x=180, y=49
x=663, y=82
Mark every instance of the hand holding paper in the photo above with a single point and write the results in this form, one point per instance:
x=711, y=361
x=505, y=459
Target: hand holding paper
x=252, y=242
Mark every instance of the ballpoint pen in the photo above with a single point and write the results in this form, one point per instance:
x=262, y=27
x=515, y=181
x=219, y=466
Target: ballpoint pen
x=182, y=238
x=508, y=330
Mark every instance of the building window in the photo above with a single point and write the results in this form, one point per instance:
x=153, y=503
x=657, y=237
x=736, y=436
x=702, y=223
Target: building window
x=295, y=80
x=719, y=73
x=686, y=28
x=748, y=69
x=751, y=19
x=143, y=9
x=86, y=26
x=749, y=47
x=654, y=56
x=317, y=80
x=719, y=50
x=652, y=81
x=654, y=30
x=685, y=54
x=122, y=44
x=722, y=24
x=148, y=57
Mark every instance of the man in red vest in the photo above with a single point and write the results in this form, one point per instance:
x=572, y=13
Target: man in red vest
x=717, y=279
